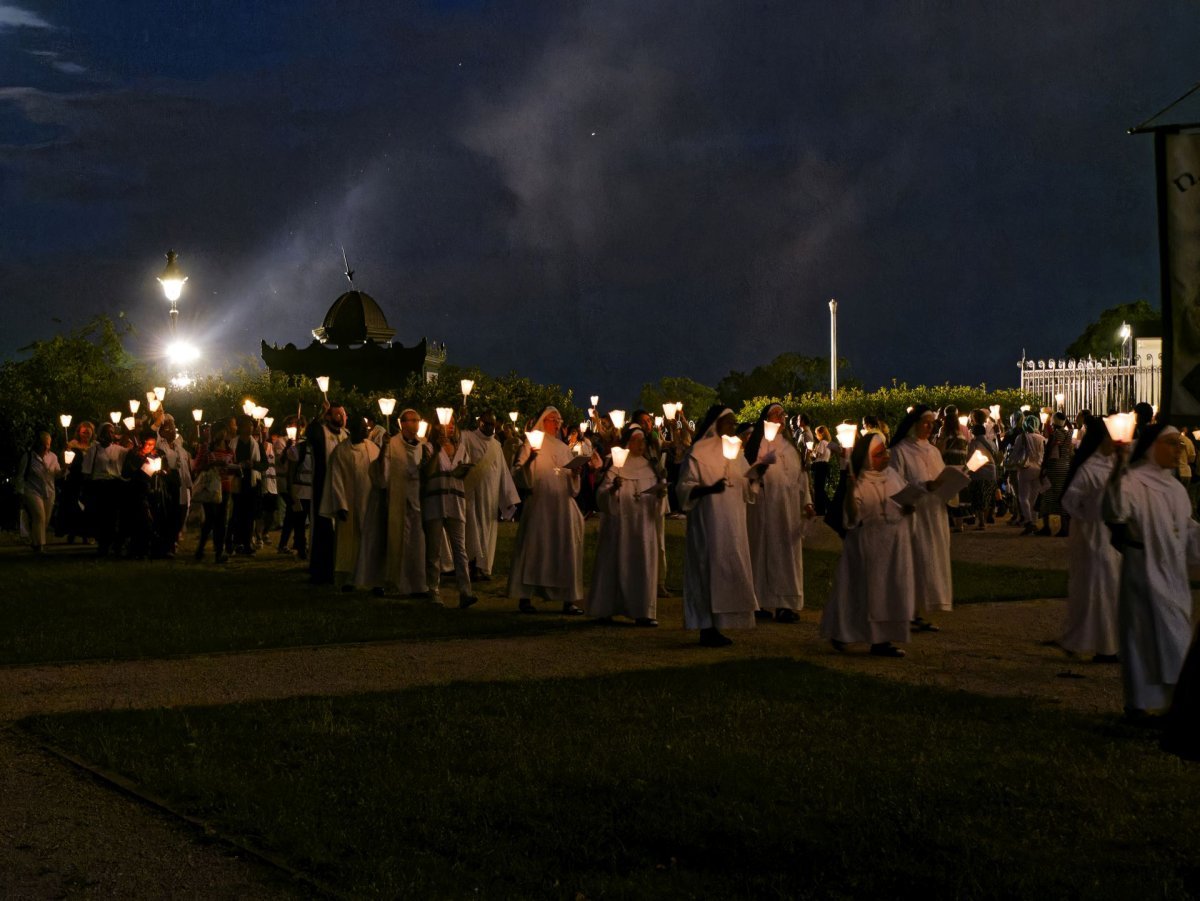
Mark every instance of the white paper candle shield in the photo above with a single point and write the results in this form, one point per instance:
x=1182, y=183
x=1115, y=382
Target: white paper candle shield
x=248, y=407
x=291, y=432
x=845, y=434
x=323, y=383
x=160, y=393
x=810, y=445
x=1025, y=408
x=978, y=460
x=268, y=421
x=731, y=446
x=994, y=409
x=153, y=405
x=595, y=399
x=658, y=422
x=65, y=419
x=514, y=416
x=619, y=456
x=444, y=414
x=68, y=456
x=1045, y=416
x=134, y=404
x=260, y=412
x=535, y=437
x=1120, y=427
x=1196, y=434
x=150, y=396
x=387, y=405
x=197, y=415
x=583, y=426
x=115, y=416
x=669, y=411
x=130, y=422
x=963, y=420
x=770, y=430
x=422, y=429
x=618, y=419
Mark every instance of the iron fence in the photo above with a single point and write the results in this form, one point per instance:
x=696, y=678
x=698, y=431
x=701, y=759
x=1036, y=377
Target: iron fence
x=1095, y=385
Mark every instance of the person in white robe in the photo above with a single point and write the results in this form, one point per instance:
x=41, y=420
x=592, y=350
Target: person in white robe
x=1093, y=564
x=350, y=487
x=874, y=588
x=548, y=556
x=1159, y=539
x=444, y=510
x=919, y=463
x=632, y=500
x=491, y=495
x=398, y=468
x=718, y=578
x=777, y=519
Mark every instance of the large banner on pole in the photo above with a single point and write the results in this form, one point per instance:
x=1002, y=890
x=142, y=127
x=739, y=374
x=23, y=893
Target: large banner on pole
x=1178, y=165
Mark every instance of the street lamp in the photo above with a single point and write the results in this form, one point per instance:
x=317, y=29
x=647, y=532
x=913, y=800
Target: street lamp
x=172, y=281
x=833, y=349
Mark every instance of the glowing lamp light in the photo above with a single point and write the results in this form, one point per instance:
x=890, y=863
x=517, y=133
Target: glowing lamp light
x=846, y=432
x=770, y=430
x=181, y=353
x=422, y=429
x=467, y=385
x=994, y=409
x=387, y=405
x=130, y=422
x=618, y=419
x=444, y=415
x=197, y=415
x=268, y=421
x=514, y=416
x=248, y=407
x=595, y=400
x=291, y=432
x=669, y=411
x=65, y=419
x=731, y=446
x=978, y=460
x=160, y=393
x=619, y=456
x=535, y=438
x=68, y=456
x=908, y=410
x=133, y=405
x=153, y=405
x=115, y=416
x=323, y=383
x=1120, y=427
x=172, y=278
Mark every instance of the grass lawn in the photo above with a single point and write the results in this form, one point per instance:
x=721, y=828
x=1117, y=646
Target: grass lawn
x=72, y=606
x=733, y=780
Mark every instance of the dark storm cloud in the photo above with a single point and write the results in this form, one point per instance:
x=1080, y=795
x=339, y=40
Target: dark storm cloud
x=667, y=188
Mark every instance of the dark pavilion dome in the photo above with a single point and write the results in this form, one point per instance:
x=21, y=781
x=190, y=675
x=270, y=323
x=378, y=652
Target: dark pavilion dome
x=354, y=318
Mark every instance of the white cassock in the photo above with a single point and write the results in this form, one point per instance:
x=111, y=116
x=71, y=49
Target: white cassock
x=370, y=568
x=718, y=580
x=919, y=462
x=625, y=575
x=399, y=468
x=491, y=496
x=1093, y=564
x=350, y=484
x=1155, y=606
x=874, y=589
x=548, y=557
x=776, y=527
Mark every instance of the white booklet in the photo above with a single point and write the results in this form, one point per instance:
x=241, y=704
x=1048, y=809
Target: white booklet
x=950, y=483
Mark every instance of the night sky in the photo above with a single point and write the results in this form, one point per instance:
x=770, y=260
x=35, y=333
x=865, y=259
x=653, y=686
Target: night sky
x=596, y=194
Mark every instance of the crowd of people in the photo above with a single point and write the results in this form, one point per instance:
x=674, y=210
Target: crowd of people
x=396, y=510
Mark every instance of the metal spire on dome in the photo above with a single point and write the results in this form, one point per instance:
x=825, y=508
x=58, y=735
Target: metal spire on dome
x=349, y=273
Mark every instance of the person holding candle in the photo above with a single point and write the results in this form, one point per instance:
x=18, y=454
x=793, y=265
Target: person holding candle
x=212, y=487
x=323, y=436
x=632, y=495
x=102, y=487
x=1094, y=566
x=920, y=463
x=350, y=490
x=177, y=483
x=491, y=495
x=299, y=469
x=776, y=521
x=142, y=516
x=72, y=520
x=247, y=484
x=37, y=472
x=1056, y=461
x=1159, y=540
x=1029, y=447
x=548, y=557
x=714, y=489
x=981, y=493
x=874, y=588
x=444, y=508
x=820, y=470
x=398, y=471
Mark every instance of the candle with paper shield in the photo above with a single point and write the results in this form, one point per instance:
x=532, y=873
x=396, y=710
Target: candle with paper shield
x=115, y=416
x=514, y=416
x=658, y=422
x=669, y=411
x=444, y=414
x=248, y=407
x=535, y=438
x=770, y=431
x=422, y=429
x=291, y=432
x=731, y=446
x=134, y=405
x=978, y=460
x=1120, y=427
x=260, y=412
x=994, y=409
x=1059, y=398
x=68, y=456
x=846, y=433
x=963, y=420
x=129, y=422
x=268, y=421
x=65, y=419
x=1025, y=408
x=1045, y=416
x=595, y=400
x=467, y=386
x=150, y=396
x=810, y=445
x=323, y=384
x=153, y=405
x=618, y=419
x=197, y=415
x=1196, y=434
x=619, y=456
x=160, y=393
x=386, y=406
